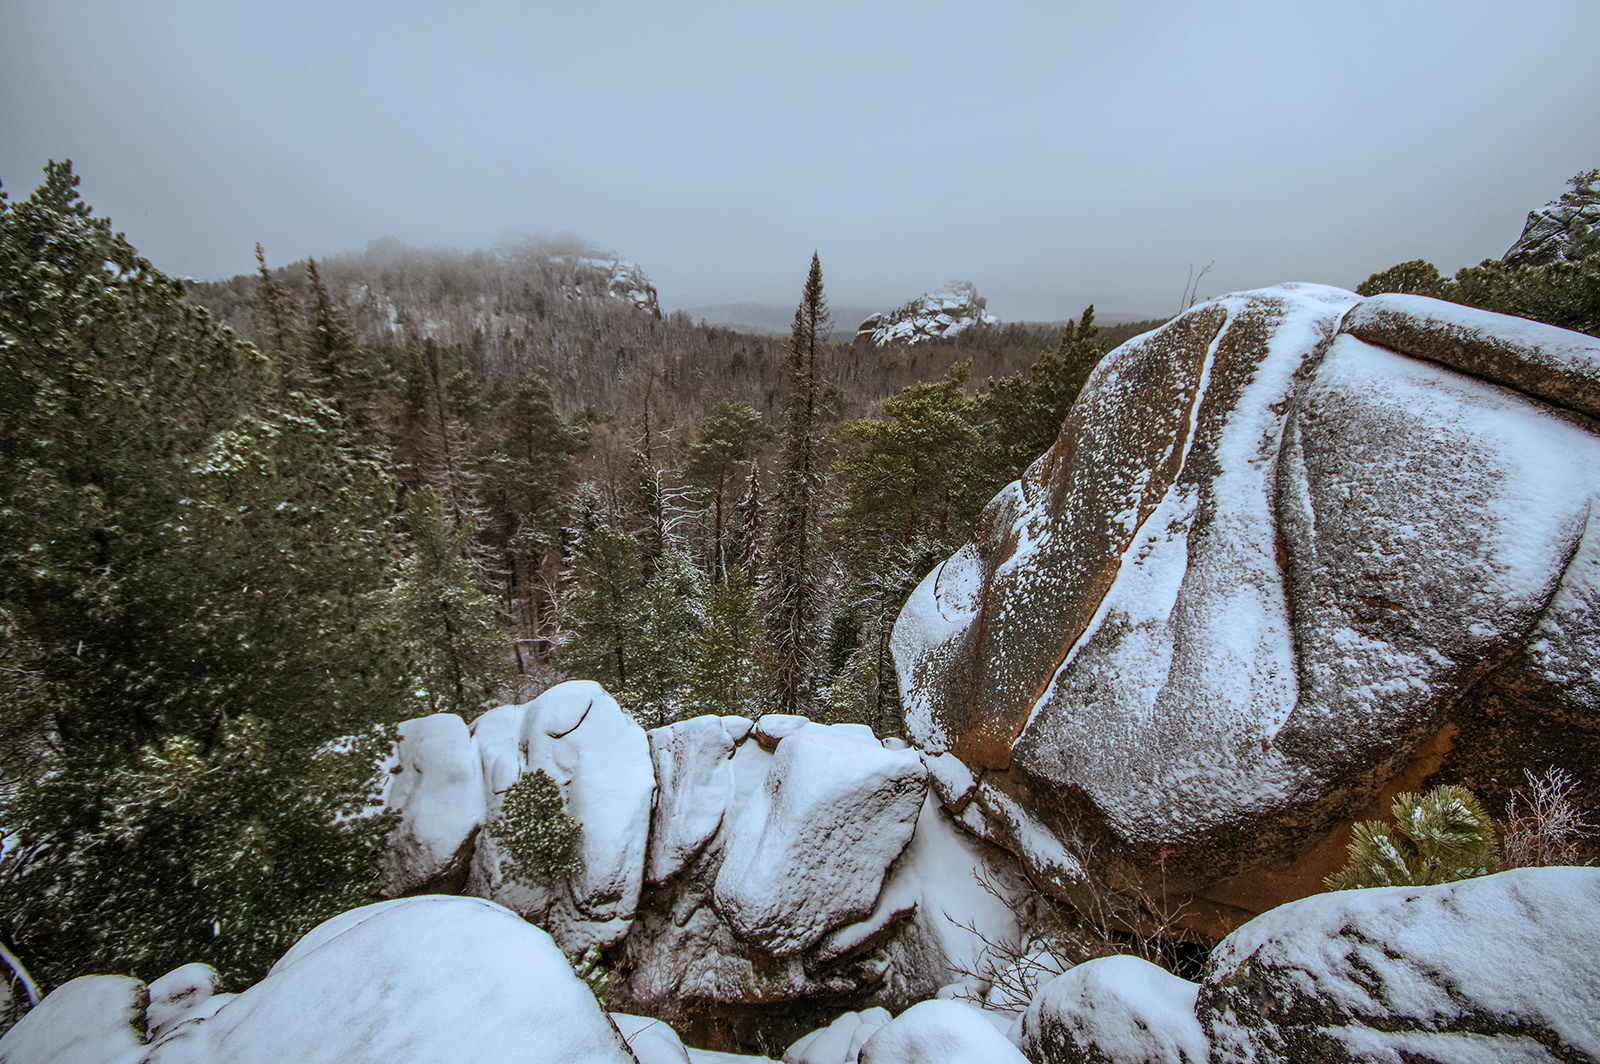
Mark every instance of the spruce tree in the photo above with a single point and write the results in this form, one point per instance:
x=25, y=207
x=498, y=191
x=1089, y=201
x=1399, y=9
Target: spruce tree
x=727, y=653
x=456, y=653
x=601, y=610
x=719, y=446
x=792, y=592
x=279, y=323
x=671, y=615
x=189, y=561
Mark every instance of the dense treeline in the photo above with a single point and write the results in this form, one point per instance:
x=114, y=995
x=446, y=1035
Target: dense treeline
x=517, y=309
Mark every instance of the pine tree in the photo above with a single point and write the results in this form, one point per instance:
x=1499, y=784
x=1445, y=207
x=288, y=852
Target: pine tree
x=792, y=592
x=601, y=609
x=188, y=565
x=455, y=650
x=1438, y=837
x=727, y=653
x=529, y=468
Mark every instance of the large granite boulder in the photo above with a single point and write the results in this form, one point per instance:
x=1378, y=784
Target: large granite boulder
x=94, y=1019
x=1292, y=553
x=808, y=852
x=422, y=979
x=437, y=787
x=600, y=760
x=1114, y=1010
x=1501, y=968
x=802, y=868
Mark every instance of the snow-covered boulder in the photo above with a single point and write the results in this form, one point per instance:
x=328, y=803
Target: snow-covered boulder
x=939, y=1032
x=439, y=793
x=840, y=1042
x=1114, y=1010
x=694, y=785
x=183, y=994
x=600, y=759
x=808, y=852
x=1501, y=968
x=94, y=1019
x=946, y=312
x=1291, y=553
x=421, y=980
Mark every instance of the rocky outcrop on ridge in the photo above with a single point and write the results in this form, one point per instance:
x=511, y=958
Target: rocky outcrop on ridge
x=590, y=277
x=1292, y=553
x=955, y=307
x=1557, y=231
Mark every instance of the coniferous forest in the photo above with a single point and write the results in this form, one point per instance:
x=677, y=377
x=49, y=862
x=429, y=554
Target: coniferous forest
x=251, y=525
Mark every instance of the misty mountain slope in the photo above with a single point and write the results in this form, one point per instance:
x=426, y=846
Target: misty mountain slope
x=589, y=322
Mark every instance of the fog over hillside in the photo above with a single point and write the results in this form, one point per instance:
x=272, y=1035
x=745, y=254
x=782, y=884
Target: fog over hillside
x=1053, y=154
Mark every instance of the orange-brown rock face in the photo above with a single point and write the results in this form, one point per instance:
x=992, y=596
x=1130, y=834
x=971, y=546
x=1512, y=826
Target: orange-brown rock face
x=1287, y=556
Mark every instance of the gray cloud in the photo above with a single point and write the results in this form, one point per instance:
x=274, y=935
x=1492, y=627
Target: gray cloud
x=1053, y=153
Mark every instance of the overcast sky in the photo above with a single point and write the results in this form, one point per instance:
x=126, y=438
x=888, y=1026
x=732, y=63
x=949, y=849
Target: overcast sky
x=1055, y=154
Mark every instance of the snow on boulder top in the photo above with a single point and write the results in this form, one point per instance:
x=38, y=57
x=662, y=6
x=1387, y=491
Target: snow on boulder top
x=421, y=980
x=955, y=307
x=1497, y=968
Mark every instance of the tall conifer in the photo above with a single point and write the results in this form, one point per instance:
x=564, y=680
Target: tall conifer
x=792, y=591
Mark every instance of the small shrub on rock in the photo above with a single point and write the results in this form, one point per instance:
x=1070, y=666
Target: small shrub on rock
x=1544, y=826
x=1440, y=836
x=534, y=830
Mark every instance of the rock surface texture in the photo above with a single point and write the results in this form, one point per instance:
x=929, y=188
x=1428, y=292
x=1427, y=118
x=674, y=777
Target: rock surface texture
x=1502, y=968
x=1547, y=235
x=1292, y=552
x=950, y=310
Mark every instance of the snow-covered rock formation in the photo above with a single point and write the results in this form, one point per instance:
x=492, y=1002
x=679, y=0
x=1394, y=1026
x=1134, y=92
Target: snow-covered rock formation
x=1292, y=552
x=733, y=864
x=590, y=277
x=953, y=308
x=1504, y=969
x=1501, y=968
x=427, y=980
